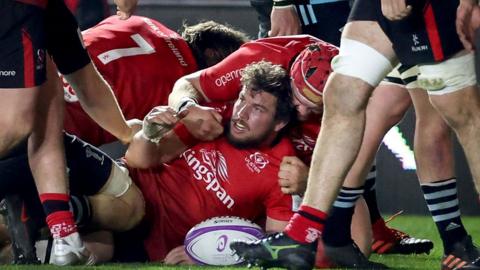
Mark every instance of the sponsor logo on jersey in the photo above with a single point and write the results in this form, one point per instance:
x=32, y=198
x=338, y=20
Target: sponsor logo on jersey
x=8, y=73
x=416, y=44
x=210, y=167
x=225, y=78
x=168, y=40
x=256, y=162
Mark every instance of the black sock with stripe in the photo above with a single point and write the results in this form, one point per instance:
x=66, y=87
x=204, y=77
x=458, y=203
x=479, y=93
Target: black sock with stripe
x=442, y=202
x=370, y=195
x=337, y=227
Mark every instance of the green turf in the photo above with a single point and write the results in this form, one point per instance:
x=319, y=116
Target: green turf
x=419, y=226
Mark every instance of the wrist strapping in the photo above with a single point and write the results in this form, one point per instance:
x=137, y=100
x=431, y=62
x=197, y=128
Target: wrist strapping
x=152, y=131
x=186, y=102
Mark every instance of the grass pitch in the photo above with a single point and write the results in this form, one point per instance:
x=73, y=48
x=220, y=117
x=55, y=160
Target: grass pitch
x=418, y=226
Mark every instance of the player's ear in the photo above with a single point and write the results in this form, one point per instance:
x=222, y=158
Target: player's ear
x=279, y=125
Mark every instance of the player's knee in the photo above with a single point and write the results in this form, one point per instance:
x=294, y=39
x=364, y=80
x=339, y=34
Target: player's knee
x=433, y=126
x=345, y=96
x=458, y=115
x=360, y=61
x=397, y=111
x=12, y=134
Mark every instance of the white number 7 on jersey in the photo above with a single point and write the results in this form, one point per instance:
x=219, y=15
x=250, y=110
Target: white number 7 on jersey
x=143, y=48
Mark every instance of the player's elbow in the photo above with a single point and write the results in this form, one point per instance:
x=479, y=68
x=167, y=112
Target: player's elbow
x=136, y=161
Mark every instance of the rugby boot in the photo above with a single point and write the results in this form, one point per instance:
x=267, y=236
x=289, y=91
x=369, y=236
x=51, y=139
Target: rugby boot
x=321, y=261
x=391, y=241
x=277, y=250
x=464, y=256
x=70, y=250
x=22, y=230
x=350, y=256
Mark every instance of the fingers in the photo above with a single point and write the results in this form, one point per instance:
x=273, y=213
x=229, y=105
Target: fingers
x=163, y=115
x=468, y=18
x=395, y=9
x=182, y=114
x=204, y=123
x=135, y=125
x=273, y=32
x=292, y=175
x=285, y=172
x=285, y=186
x=210, y=130
x=284, y=21
x=405, y=12
x=125, y=8
x=174, y=256
x=291, y=160
x=177, y=256
x=462, y=26
x=217, y=116
x=122, y=15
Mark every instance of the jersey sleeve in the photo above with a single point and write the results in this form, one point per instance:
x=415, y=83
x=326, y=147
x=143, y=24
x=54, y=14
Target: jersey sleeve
x=221, y=82
x=279, y=206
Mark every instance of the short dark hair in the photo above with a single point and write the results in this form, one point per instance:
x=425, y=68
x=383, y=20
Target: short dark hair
x=273, y=79
x=221, y=39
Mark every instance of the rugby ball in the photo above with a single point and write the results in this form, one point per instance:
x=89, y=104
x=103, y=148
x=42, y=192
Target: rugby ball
x=208, y=243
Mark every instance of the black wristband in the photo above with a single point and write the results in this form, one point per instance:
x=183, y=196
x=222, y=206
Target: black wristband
x=185, y=103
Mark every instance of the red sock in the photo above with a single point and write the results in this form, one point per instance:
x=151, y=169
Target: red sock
x=306, y=225
x=59, y=217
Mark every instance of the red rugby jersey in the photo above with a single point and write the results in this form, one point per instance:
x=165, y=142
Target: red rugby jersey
x=141, y=59
x=211, y=179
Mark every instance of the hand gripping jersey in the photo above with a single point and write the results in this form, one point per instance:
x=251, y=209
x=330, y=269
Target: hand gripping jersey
x=141, y=59
x=210, y=179
x=222, y=81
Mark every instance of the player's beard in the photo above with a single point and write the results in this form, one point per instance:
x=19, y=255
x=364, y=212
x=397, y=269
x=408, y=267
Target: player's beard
x=249, y=143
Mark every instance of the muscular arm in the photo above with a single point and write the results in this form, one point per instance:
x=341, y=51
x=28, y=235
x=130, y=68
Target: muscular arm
x=207, y=119
x=143, y=154
x=187, y=86
x=98, y=101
